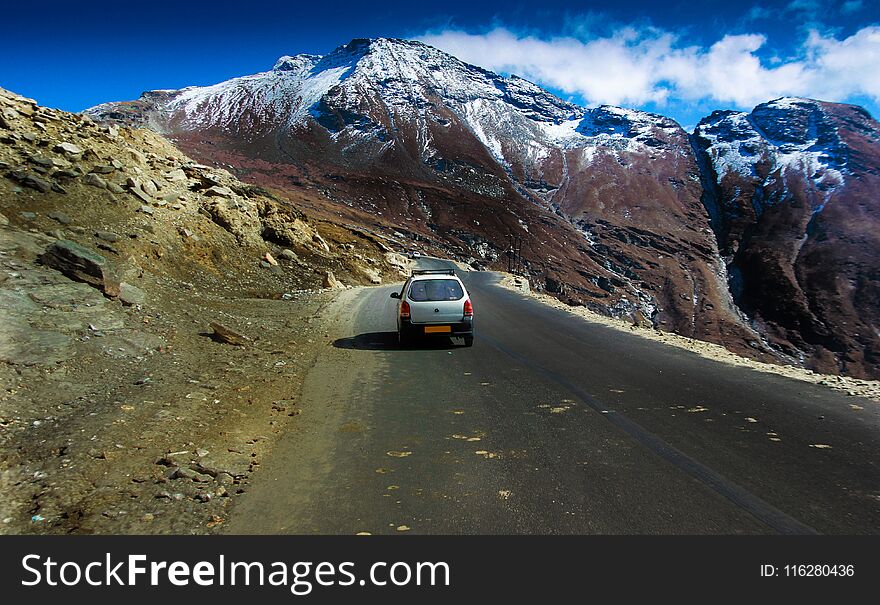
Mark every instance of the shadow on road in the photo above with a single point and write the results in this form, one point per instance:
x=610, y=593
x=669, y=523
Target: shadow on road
x=387, y=341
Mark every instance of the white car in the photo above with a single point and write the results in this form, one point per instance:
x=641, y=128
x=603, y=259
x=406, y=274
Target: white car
x=434, y=302
x=415, y=254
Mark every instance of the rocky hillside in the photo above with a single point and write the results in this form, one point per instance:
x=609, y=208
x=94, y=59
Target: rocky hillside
x=134, y=195
x=793, y=198
x=156, y=318
x=618, y=210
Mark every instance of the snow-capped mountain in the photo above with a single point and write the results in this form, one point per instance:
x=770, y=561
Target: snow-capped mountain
x=619, y=209
x=794, y=202
x=783, y=137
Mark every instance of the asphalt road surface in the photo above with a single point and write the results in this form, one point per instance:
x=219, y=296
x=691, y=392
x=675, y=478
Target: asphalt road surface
x=553, y=425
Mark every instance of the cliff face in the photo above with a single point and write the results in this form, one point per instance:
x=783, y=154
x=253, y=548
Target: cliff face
x=796, y=212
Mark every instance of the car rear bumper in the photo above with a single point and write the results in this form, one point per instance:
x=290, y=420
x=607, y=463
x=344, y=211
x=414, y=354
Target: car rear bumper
x=463, y=328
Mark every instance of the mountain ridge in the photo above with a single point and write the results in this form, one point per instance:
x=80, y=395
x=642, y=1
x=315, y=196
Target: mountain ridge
x=621, y=210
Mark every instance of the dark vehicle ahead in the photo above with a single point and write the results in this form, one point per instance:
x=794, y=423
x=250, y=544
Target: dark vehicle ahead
x=434, y=303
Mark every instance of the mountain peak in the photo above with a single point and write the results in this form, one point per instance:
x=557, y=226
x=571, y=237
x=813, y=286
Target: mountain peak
x=791, y=103
x=296, y=63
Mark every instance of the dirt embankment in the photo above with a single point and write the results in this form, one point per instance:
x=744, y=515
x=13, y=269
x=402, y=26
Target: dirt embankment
x=118, y=419
x=157, y=317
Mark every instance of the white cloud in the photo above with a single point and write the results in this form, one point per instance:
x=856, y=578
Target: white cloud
x=844, y=68
x=637, y=66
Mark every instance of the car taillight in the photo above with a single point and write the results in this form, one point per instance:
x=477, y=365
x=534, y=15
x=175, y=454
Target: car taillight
x=468, y=308
x=404, y=309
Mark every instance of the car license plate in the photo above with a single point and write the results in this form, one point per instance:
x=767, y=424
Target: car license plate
x=437, y=329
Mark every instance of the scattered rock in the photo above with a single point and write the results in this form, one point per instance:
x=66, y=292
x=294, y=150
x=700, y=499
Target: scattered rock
x=60, y=217
x=131, y=295
x=219, y=191
x=68, y=148
x=108, y=236
x=150, y=188
x=29, y=179
x=79, y=263
x=95, y=181
x=289, y=255
x=320, y=241
x=331, y=282
x=270, y=259
x=209, y=178
x=228, y=335
x=67, y=173
x=41, y=160
x=188, y=473
x=176, y=176
x=137, y=156
x=142, y=195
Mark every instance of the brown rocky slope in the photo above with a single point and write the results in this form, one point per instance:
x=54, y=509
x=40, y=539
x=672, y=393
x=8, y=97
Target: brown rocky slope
x=156, y=319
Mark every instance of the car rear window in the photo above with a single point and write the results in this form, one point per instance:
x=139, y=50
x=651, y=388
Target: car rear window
x=435, y=290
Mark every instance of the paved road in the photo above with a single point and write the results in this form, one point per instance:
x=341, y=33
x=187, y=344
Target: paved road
x=551, y=425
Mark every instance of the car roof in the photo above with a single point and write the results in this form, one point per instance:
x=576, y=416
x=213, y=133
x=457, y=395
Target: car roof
x=424, y=276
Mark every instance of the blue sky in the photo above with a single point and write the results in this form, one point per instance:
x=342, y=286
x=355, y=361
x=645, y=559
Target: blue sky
x=669, y=57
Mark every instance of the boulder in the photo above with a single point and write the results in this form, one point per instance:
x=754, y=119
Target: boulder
x=29, y=179
x=240, y=220
x=150, y=188
x=219, y=191
x=176, y=176
x=61, y=217
x=95, y=181
x=80, y=264
x=108, y=236
x=141, y=195
x=331, y=282
x=67, y=173
x=131, y=295
x=228, y=335
x=41, y=160
x=67, y=148
x=137, y=156
x=316, y=238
